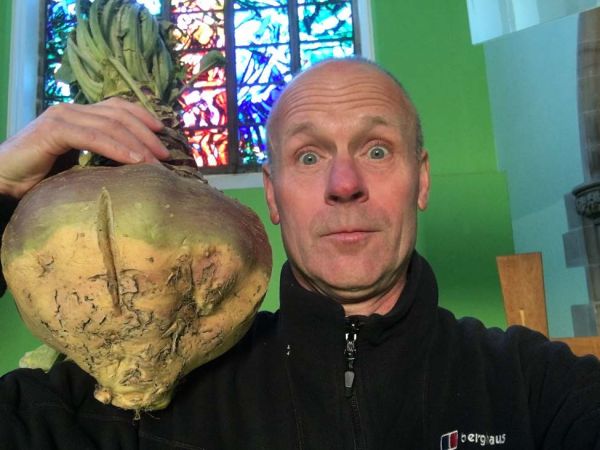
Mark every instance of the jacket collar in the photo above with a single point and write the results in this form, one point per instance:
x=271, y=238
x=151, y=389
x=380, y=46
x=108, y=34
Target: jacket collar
x=317, y=319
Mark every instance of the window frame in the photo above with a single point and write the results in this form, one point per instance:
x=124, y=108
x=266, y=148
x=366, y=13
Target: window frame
x=23, y=76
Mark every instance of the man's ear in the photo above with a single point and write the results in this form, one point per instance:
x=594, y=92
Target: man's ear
x=424, y=180
x=270, y=194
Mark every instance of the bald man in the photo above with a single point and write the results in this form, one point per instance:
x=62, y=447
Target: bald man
x=360, y=355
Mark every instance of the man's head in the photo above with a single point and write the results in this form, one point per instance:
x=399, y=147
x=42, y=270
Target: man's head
x=346, y=177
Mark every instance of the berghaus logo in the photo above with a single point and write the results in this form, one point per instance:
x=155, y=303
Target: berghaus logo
x=449, y=441
x=454, y=439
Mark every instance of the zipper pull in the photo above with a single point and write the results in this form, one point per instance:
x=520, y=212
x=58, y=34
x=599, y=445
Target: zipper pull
x=350, y=356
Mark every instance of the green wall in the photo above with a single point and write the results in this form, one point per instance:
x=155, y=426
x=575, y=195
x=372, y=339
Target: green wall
x=426, y=44
x=14, y=338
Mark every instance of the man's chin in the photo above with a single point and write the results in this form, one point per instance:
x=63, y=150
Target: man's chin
x=348, y=291
x=344, y=287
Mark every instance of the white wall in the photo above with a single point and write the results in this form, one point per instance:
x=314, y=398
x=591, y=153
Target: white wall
x=533, y=94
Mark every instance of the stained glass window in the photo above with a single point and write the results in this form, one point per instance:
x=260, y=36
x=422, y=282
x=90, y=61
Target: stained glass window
x=224, y=111
x=61, y=18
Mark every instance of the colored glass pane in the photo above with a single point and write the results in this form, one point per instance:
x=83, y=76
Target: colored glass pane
x=263, y=64
x=325, y=21
x=209, y=147
x=313, y=52
x=205, y=104
x=199, y=30
x=203, y=108
x=189, y=6
x=255, y=102
x=60, y=20
x=252, y=144
x=191, y=63
x=261, y=26
x=307, y=2
x=239, y=4
x=154, y=6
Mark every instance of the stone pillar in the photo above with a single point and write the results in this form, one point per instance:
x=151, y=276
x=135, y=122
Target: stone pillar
x=582, y=243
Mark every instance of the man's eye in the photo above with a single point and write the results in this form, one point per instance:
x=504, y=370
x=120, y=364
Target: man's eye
x=308, y=158
x=378, y=152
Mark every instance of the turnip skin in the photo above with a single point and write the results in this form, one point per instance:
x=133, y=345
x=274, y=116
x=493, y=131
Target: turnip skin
x=138, y=273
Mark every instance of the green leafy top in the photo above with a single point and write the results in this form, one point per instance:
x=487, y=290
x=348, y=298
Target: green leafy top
x=118, y=48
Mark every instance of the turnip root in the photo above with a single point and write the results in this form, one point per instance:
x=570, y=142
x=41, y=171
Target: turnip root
x=137, y=273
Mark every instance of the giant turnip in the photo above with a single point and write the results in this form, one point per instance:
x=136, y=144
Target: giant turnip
x=137, y=273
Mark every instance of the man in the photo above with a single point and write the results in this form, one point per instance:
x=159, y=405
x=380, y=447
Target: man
x=359, y=356
x=347, y=174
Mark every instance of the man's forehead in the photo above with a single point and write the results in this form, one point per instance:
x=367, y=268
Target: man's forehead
x=333, y=74
x=363, y=122
x=344, y=84
x=340, y=66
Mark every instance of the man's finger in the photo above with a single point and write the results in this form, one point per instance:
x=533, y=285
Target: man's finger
x=98, y=127
x=129, y=128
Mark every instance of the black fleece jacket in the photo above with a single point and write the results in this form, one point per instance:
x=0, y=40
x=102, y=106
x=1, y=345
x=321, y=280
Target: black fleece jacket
x=422, y=380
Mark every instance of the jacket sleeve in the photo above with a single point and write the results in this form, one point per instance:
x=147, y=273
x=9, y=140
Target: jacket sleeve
x=564, y=395
x=56, y=410
x=7, y=207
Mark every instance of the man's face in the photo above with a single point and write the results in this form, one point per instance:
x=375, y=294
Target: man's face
x=345, y=180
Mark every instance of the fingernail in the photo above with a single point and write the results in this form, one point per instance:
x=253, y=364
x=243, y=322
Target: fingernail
x=135, y=157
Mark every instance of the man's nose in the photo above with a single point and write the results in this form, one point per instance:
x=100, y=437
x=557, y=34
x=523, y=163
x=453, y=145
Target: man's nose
x=345, y=182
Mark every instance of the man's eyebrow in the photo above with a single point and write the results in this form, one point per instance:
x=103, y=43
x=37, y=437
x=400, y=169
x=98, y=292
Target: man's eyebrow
x=372, y=121
x=367, y=123
x=395, y=121
x=299, y=128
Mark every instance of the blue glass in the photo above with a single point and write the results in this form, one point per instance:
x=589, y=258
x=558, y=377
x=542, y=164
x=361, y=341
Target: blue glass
x=61, y=6
x=252, y=144
x=255, y=102
x=253, y=4
x=263, y=64
x=61, y=19
x=306, y=2
x=325, y=21
x=261, y=26
x=313, y=52
x=154, y=6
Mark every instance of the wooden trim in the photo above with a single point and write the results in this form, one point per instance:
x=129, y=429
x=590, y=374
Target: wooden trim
x=522, y=284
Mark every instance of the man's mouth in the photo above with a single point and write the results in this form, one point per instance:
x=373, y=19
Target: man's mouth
x=348, y=236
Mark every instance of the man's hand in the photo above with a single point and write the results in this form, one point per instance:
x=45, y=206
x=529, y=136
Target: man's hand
x=114, y=128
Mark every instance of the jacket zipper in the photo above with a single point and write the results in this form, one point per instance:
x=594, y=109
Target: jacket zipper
x=350, y=353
